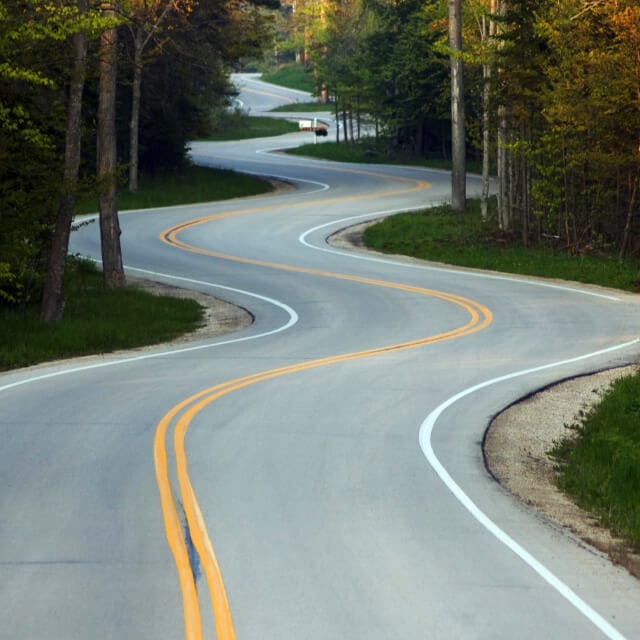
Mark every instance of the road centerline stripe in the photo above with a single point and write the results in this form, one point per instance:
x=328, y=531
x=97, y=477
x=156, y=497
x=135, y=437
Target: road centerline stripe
x=479, y=318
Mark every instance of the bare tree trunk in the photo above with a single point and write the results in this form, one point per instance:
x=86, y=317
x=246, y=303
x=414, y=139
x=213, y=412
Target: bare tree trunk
x=503, y=172
x=458, y=142
x=141, y=39
x=113, y=271
x=504, y=210
x=337, y=120
x=134, y=126
x=351, y=125
x=629, y=218
x=487, y=73
x=52, y=309
x=345, y=126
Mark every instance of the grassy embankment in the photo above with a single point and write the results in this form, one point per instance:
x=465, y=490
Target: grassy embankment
x=97, y=320
x=237, y=126
x=186, y=185
x=600, y=461
x=370, y=151
x=302, y=107
x=292, y=76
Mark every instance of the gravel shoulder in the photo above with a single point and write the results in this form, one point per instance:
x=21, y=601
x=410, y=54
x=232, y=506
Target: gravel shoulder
x=515, y=450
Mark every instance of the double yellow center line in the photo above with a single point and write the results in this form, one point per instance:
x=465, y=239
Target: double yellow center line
x=179, y=418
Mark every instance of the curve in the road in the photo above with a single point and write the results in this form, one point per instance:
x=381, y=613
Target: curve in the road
x=479, y=318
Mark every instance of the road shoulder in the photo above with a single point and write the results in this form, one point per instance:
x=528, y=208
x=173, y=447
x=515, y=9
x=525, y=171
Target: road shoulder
x=517, y=442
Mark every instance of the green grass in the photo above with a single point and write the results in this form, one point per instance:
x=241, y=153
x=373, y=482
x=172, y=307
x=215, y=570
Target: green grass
x=369, y=150
x=96, y=320
x=184, y=186
x=243, y=127
x=599, y=463
x=303, y=107
x=464, y=240
x=293, y=76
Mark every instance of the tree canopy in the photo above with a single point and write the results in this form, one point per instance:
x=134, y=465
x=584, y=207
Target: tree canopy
x=190, y=48
x=552, y=98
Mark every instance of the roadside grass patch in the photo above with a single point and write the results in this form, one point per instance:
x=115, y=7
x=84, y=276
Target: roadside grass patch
x=293, y=76
x=96, y=320
x=599, y=462
x=303, y=107
x=240, y=126
x=187, y=185
x=377, y=151
x=465, y=240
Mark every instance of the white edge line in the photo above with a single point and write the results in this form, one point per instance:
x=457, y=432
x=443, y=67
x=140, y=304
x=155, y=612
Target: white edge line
x=426, y=428
x=425, y=432
x=293, y=319
x=265, y=174
x=323, y=185
x=474, y=274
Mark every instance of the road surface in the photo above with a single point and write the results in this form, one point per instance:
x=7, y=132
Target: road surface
x=318, y=475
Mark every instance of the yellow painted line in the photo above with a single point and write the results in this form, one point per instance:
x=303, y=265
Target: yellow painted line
x=419, y=185
x=175, y=537
x=479, y=318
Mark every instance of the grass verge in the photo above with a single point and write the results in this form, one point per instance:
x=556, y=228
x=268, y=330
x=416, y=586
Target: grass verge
x=187, y=185
x=96, y=320
x=242, y=127
x=370, y=150
x=293, y=76
x=465, y=240
x=303, y=107
x=599, y=464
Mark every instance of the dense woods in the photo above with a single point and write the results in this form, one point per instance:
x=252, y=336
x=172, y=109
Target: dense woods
x=91, y=93
x=551, y=95
x=551, y=104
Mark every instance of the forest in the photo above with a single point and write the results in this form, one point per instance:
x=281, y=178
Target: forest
x=550, y=98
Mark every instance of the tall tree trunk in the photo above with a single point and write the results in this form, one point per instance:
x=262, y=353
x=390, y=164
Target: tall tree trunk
x=351, y=125
x=113, y=271
x=141, y=39
x=487, y=73
x=458, y=151
x=629, y=218
x=337, y=119
x=52, y=309
x=134, y=126
x=504, y=210
x=503, y=171
x=345, y=126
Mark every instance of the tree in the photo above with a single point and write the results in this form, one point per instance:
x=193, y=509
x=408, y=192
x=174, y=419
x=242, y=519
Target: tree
x=33, y=74
x=107, y=158
x=148, y=18
x=458, y=138
x=52, y=300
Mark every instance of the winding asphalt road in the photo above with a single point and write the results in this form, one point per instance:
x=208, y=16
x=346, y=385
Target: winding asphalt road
x=318, y=475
